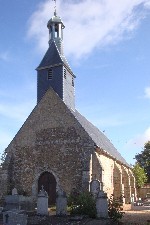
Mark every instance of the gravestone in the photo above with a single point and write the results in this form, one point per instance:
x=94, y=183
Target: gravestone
x=132, y=198
x=19, y=202
x=102, y=205
x=101, y=186
x=14, y=191
x=16, y=201
x=95, y=187
x=42, y=202
x=14, y=217
x=12, y=202
x=61, y=203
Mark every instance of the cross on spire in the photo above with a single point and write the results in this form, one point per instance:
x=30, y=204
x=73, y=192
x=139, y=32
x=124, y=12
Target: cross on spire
x=54, y=7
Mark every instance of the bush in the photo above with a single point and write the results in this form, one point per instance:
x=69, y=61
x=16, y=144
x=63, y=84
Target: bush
x=82, y=204
x=115, y=209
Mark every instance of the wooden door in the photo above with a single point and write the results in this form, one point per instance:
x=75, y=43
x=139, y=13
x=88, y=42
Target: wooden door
x=49, y=183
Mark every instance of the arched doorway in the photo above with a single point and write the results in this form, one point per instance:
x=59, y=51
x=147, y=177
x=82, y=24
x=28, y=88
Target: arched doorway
x=48, y=181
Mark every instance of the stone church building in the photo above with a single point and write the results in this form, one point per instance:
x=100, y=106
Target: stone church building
x=57, y=147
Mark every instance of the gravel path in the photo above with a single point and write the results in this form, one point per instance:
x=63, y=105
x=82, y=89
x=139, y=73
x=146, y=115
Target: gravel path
x=130, y=218
x=136, y=217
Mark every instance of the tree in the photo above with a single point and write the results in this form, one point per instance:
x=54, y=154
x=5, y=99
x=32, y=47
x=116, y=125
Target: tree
x=143, y=159
x=140, y=175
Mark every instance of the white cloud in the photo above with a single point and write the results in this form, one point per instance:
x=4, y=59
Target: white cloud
x=147, y=92
x=89, y=23
x=147, y=4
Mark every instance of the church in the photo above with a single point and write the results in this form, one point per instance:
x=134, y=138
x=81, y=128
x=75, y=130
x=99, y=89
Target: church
x=57, y=147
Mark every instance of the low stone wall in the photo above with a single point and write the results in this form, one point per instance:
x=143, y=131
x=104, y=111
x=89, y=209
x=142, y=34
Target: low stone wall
x=139, y=208
x=126, y=207
x=141, y=192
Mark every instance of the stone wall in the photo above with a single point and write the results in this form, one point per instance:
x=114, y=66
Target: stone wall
x=96, y=167
x=50, y=140
x=106, y=173
x=117, y=179
x=3, y=182
x=141, y=192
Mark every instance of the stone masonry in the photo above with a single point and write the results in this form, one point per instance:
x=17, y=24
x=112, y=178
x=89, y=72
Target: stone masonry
x=50, y=140
x=53, y=140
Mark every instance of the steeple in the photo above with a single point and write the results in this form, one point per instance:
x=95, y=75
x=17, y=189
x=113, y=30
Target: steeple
x=54, y=70
x=56, y=26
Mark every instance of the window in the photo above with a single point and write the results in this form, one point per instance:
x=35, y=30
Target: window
x=65, y=73
x=50, y=74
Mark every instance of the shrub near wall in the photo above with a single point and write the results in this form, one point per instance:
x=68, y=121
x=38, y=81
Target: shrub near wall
x=115, y=209
x=82, y=204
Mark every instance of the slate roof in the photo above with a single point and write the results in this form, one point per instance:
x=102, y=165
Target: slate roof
x=99, y=138
x=53, y=57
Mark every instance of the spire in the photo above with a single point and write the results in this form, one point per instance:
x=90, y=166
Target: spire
x=56, y=26
x=54, y=70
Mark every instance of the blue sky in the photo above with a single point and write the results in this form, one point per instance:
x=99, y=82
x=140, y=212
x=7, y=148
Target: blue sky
x=107, y=44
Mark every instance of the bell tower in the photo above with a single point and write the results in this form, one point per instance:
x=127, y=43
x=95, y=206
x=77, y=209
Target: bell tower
x=54, y=70
x=56, y=26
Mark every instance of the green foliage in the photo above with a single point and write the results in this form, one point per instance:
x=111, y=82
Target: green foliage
x=140, y=175
x=3, y=157
x=115, y=209
x=82, y=204
x=143, y=159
